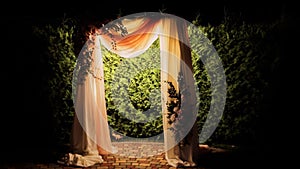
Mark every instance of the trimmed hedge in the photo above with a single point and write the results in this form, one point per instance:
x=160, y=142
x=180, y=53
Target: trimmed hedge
x=248, y=54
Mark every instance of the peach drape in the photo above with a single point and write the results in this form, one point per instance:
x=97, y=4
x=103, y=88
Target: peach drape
x=90, y=134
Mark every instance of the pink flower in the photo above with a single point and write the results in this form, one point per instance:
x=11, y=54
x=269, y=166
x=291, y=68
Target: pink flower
x=173, y=117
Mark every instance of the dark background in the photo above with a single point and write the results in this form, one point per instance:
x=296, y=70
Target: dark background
x=25, y=124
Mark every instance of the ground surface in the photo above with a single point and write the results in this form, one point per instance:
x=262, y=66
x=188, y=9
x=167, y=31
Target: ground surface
x=151, y=155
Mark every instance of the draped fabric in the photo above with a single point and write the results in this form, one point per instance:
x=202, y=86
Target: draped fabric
x=90, y=134
x=175, y=58
x=91, y=110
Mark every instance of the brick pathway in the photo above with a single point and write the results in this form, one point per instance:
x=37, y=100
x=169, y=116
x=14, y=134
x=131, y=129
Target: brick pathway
x=149, y=155
x=130, y=155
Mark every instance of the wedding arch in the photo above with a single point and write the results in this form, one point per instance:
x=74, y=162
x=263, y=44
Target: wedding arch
x=129, y=37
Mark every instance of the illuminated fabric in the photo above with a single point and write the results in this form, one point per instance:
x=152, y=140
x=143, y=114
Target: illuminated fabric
x=90, y=136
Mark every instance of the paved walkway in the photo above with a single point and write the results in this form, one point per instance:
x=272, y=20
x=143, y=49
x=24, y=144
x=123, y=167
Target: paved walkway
x=131, y=155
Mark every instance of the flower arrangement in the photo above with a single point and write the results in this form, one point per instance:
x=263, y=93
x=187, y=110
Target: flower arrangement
x=179, y=111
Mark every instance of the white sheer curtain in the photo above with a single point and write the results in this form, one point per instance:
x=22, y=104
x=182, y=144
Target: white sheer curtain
x=90, y=134
x=175, y=58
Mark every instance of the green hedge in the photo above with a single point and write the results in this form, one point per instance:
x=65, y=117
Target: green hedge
x=60, y=58
x=129, y=85
x=248, y=57
x=249, y=54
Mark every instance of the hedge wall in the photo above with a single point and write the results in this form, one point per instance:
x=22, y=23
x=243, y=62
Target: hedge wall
x=248, y=53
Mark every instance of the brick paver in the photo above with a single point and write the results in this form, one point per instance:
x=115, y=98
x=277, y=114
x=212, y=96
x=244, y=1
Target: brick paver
x=130, y=155
x=150, y=155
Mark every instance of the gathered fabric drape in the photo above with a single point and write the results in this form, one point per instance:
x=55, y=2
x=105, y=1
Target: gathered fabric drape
x=90, y=133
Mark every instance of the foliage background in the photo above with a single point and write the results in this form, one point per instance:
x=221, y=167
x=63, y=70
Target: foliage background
x=250, y=56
